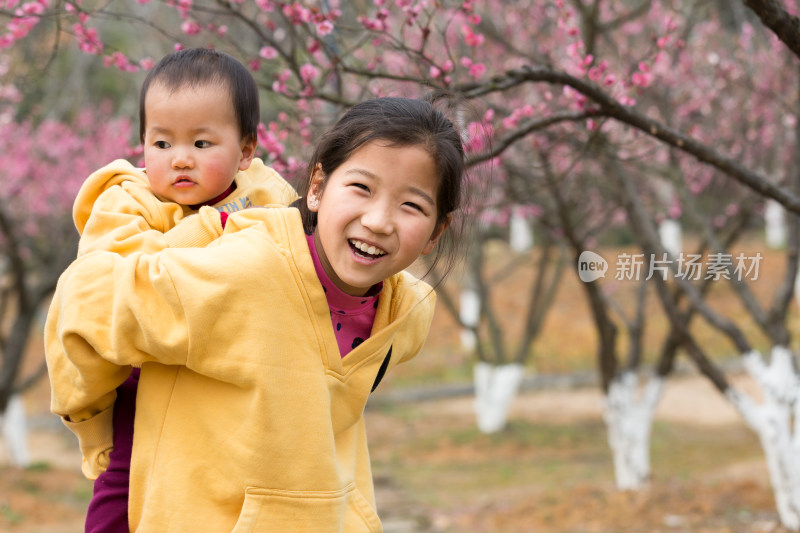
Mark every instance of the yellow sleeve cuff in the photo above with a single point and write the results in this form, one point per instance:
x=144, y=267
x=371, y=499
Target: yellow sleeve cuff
x=95, y=439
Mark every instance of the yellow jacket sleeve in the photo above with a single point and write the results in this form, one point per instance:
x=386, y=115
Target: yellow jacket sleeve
x=116, y=211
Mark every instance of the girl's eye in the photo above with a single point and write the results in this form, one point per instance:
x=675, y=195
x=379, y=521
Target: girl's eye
x=202, y=144
x=415, y=206
x=361, y=186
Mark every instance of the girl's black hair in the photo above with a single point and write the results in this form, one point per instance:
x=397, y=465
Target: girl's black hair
x=194, y=67
x=398, y=122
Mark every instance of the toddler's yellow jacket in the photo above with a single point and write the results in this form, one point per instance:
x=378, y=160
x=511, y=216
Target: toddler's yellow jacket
x=247, y=417
x=115, y=210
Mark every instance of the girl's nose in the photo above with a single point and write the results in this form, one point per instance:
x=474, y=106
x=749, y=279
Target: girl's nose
x=378, y=219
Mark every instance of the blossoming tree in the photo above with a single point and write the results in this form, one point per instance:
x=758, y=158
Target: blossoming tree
x=666, y=96
x=41, y=167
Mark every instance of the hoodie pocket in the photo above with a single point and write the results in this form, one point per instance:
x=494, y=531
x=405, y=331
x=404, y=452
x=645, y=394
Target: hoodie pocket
x=282, y=511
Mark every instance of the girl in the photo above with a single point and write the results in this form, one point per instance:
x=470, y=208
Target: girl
x=255, y=372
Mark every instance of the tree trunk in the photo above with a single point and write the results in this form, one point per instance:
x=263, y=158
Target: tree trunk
x=469, y=313
x=629, y=420
x=496, y=387
x=15, y=431
x=520, y=236
x=775, y=225
x=671, y=236
x=776, y=420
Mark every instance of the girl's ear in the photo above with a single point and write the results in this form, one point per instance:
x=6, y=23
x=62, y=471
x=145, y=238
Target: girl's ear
x=248, y=152
x=437, y=234
x=315, y=188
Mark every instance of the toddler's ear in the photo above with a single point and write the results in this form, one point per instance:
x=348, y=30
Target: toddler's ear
x=437, y=234
x=248, y=152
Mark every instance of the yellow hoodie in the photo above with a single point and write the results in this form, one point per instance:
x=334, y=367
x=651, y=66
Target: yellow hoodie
x=247, y=417
x=116, y=211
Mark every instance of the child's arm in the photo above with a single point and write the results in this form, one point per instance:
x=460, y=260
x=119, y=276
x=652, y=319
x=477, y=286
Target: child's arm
x=116, y=211
x=110, y=312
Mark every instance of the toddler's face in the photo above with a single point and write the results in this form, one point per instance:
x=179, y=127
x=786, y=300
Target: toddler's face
x=192, y=144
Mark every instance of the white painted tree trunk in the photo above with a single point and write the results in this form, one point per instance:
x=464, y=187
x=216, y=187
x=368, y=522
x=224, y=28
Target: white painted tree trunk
x=496, y=387
x=774, y=225
x=520, y=236
x=671, y=236
x=15, y=431
x=629, y=420
x=469, y=311
x=776, y=420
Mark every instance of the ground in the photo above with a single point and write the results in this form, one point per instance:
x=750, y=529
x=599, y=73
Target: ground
x=549, y=471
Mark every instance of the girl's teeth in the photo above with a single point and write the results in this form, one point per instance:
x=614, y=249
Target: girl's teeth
x=367, y=249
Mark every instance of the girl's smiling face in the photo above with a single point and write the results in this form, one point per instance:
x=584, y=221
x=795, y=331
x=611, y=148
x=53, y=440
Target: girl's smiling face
x=376, y=214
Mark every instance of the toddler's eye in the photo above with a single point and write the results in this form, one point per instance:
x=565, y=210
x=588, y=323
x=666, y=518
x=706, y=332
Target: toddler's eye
x=202, y=144
x=161, y=144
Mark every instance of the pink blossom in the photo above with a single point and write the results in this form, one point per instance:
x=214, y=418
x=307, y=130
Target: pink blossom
x=32, y=8
x=190, y=27
x=268, y=141
x=371, y=24
x=477, y=70
x=470, y=37
x=184, y=7
x=324, y=28
x=434, y=72
x=88, y=40
x=268, y=52
x=640, y=79
x=297, y=13
x=314, y=47
x=308, y=73
x=121, y=61
x=266, y=5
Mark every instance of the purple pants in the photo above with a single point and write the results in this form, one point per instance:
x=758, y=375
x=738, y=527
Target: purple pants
x=108, y=510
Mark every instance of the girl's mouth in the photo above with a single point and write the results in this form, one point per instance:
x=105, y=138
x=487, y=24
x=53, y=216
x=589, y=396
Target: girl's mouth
x=365, y=250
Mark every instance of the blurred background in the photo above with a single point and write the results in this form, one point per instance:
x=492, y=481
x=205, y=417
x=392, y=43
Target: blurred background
x=616, y=350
